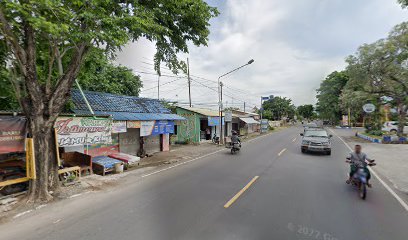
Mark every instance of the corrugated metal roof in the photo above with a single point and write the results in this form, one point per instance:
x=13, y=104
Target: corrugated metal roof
x=122, y=116
x=107, y=102
x=203, y=111
x=249, y=120
x=242, y=113
x=122, y=107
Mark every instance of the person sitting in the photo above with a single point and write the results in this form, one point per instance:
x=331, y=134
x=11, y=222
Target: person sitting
x=235, y=138
x=358, y=159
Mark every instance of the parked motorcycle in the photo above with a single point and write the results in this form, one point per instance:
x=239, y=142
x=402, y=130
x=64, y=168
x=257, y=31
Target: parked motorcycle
x=359, y=180
x=215, y=139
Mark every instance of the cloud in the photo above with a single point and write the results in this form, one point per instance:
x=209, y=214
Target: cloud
x=295, y=44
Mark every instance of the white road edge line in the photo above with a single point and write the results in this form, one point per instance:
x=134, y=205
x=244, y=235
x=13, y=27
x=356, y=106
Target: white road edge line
x=281, y=152
x=394, y=194
x=195, y=159
x=179, y=164
x=22, y=214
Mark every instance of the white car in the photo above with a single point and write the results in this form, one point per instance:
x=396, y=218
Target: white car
x=392, y=127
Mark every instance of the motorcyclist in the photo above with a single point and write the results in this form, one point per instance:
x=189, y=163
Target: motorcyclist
x=358, y=159
x=235, y=138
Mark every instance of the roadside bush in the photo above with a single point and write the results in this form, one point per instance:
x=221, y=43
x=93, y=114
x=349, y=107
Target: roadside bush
x=372, y=127
x=271, y=128
x=375, y=132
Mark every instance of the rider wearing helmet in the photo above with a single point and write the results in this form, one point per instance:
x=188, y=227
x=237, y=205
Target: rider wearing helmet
x=235, y=138
x=358, y=159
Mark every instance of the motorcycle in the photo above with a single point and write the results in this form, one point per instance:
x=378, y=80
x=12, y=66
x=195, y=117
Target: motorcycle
x=235, y=147
x=215, y=139
x=359, y=180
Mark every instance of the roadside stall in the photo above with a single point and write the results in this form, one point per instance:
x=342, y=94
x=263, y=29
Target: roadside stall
x=83, y=137
x=17, y=162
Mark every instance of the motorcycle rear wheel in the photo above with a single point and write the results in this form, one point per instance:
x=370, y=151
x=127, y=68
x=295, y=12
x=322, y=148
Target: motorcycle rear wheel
x=363, y=191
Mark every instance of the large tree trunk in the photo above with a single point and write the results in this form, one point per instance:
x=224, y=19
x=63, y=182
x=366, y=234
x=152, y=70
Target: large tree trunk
x=402, y=114
x=41, y=130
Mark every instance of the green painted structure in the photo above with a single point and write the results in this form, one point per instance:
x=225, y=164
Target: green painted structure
x=192, y=130
x=189, y=130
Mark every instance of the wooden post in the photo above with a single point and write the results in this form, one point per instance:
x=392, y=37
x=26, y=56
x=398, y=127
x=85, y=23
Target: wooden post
x=31, y=157
x=57, y=147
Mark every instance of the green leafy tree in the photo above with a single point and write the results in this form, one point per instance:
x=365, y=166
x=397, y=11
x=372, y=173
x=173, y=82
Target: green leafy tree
x=172, y=106
x=99, y=74
x=277, y=108
x=8, y=100
x=47, y=42
x=404, y=3
x=328, y=96
x=380, y=69
x=306, y=111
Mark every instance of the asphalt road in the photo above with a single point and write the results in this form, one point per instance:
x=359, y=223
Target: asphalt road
x=297, y=196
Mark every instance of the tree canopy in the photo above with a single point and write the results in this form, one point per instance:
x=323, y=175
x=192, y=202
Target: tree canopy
x=306, y=111
x=328, y=96
x=380, y=70
x=278, y=107
x=404, y=3
x=99, y=74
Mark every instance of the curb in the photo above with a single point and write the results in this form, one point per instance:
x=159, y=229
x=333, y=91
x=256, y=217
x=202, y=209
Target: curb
x=368, y=138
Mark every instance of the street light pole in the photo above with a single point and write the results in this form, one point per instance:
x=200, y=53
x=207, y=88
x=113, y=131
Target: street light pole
x=220, y=97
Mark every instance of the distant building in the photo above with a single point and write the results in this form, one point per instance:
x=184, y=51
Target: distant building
x=245, y=122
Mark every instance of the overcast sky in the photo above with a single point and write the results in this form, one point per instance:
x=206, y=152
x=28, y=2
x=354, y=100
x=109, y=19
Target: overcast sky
x=295, y=44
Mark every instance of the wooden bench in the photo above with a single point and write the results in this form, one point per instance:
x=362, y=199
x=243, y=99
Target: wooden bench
x=72, y=159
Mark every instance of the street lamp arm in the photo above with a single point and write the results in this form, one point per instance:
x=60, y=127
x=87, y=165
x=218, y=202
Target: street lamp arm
x=220, y=97
x=251, y=61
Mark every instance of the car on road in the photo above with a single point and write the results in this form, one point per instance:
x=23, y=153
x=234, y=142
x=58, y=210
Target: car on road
x=316, y=140
x=392, y=127
x=311, y=126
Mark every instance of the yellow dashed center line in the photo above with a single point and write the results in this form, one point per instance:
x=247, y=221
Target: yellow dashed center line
x=281, y=152
x=234, y=198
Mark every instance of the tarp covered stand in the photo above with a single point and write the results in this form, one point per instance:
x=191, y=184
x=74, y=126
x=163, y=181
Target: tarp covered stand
x=30, y=166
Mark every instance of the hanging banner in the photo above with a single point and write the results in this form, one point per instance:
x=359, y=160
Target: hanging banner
x=155, y=128
x=146, y=128
x=163, y=127
x=228, y=116
x=12, y=134
x=119, y=126
x=75, y=131
x=133, y=124
x=215, y=121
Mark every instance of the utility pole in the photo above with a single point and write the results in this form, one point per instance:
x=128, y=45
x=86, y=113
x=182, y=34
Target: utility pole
x=189, y=81
x=158, y=87
x=261, y=110
x=244, y=107
x=221, y=131
x=220, y=96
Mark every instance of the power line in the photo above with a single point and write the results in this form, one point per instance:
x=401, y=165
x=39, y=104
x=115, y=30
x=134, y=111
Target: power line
x=144, y=90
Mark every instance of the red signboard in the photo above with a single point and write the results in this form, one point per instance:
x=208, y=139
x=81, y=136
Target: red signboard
x=12, y=134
